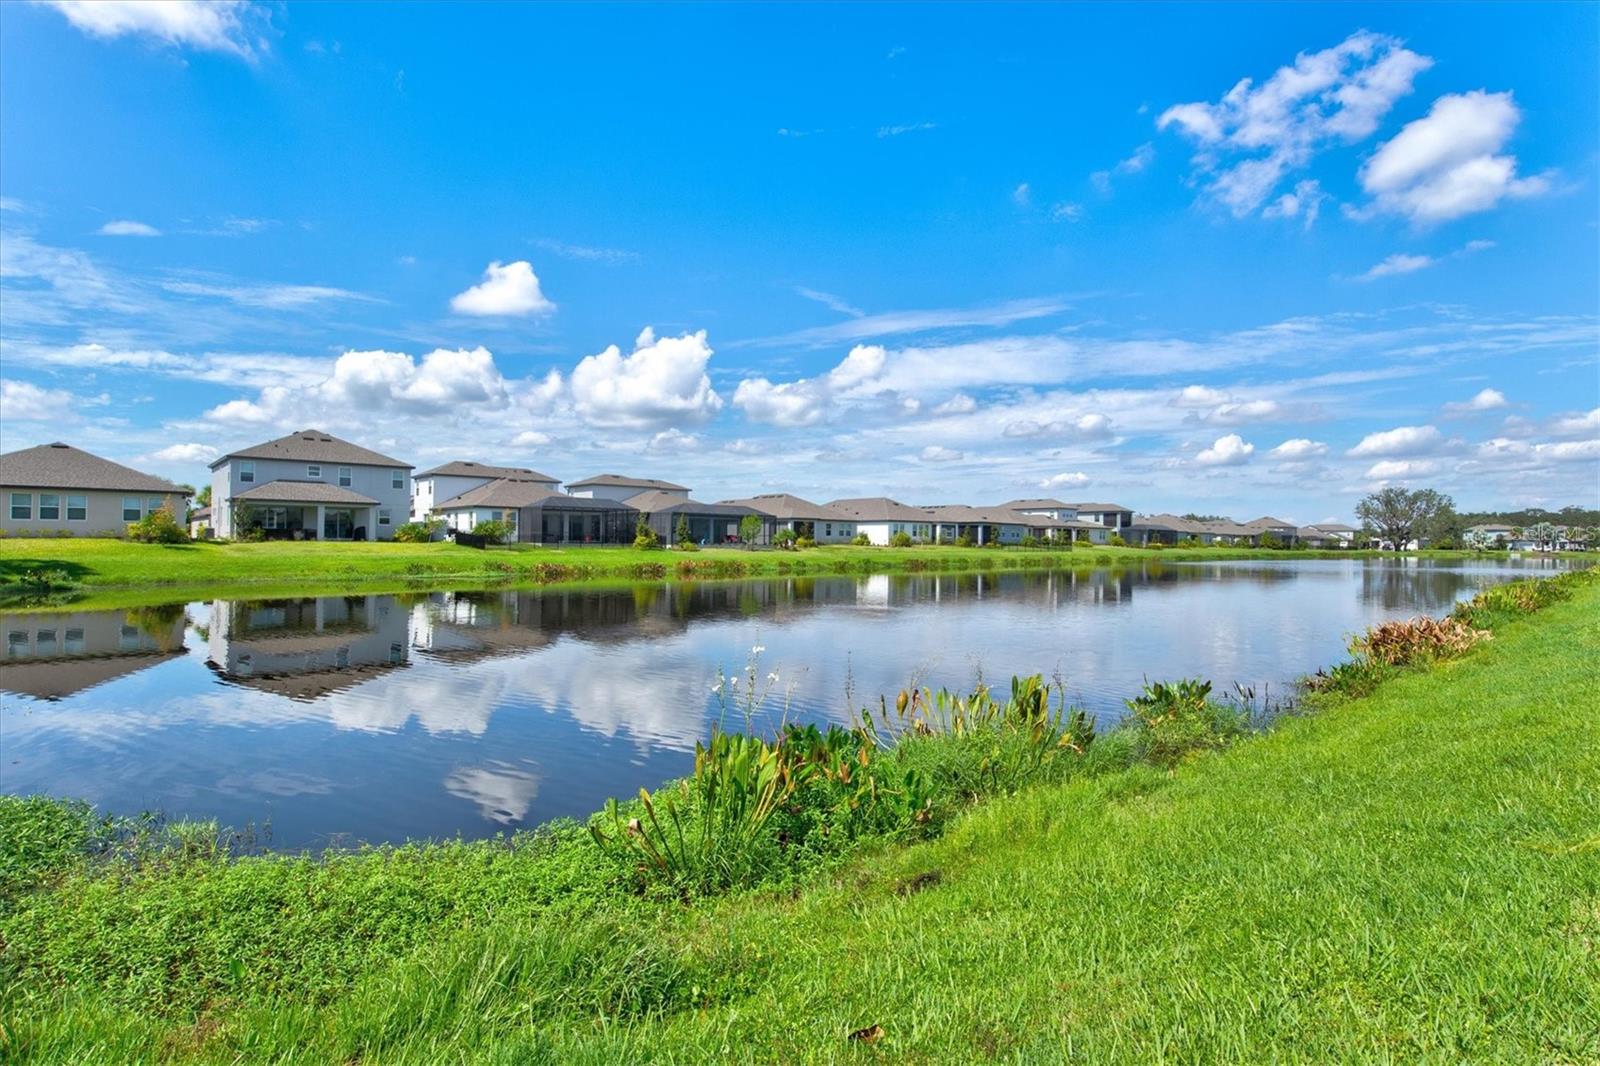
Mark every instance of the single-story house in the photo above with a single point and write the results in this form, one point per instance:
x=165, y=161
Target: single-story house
x=450, y=480
x=709, y=523
x=309, y=485
x=880, y=518
x=1285, y=532
x=821, y=522
x=537, y=514
x=984, y=525
x=56, y=488
x=617, y=487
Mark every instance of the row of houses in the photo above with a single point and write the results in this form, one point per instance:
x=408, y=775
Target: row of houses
x=311, y=485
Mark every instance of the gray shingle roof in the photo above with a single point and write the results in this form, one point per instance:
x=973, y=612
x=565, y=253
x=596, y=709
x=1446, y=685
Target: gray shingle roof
x=285, y=490
x=467, y=468
x=877, y=509
x=313, y=446
x=61, y=466
x=503, y=492
x=618, y=481
x=656, y=502
x=785, y=507
x=1042, y=504
x=1092, y=507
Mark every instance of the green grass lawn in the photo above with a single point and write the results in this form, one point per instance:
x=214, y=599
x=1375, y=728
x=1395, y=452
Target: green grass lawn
x=1411, y=876
x=205, y=569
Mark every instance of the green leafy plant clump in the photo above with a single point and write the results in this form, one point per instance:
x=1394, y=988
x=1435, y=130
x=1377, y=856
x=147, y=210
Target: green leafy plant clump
x=158, y=527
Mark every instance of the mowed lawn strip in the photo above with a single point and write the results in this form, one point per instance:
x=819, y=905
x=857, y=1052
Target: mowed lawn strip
x=105, y=564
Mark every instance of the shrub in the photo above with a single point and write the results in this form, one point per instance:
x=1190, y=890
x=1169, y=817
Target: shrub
x=645, y=538
x=784, y=538
x=861, y=540
x=1271, y=540
x=495, y=531
x=158, y=527
x=1420, y=640
x=1177, y=720
x=681, y=533
x=1116, y=541
x=418, y=532
x=1029, y=541
x=966, y=541
x=900, y=540
x=805, y=542
x=750, y=527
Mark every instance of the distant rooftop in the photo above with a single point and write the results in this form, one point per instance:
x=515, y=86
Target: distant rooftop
x=618, y=481
x=468, y=468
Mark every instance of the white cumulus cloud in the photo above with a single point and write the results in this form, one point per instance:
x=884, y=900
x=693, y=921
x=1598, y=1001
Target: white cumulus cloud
x=1070, y=479
x=205, y=25
x=1256, y=135
x=1299, y=449
x=1402, y=440
x=1485, y=400
x=1399, y=263
x=1449, y=162
x=506, y=289
x=662, y=382
x=1401, y=469
x=1226, y=451
x=935, y=453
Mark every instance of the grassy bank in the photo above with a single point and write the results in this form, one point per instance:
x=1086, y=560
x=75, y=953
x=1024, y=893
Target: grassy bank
x=78, y=567
x=1409, y=874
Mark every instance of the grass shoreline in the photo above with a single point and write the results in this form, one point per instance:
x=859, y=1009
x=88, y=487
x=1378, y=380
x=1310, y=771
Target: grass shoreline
x=49, y=573
x=1408, y=873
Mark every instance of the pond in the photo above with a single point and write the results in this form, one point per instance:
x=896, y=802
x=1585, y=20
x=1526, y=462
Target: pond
x=381, y=718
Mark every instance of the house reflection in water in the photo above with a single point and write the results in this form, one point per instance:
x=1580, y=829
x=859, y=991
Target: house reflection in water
x=307, y=648
x=55, y=655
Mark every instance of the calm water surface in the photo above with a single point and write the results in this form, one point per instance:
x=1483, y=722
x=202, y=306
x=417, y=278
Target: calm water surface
x=382, y=718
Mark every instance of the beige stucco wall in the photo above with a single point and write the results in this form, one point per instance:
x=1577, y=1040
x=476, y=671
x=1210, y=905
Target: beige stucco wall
x=104, y=511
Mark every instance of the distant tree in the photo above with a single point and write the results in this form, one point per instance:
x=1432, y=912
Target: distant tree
x=203, y=497
x=682, y=534
x=1206, y=517
x=1400, y=515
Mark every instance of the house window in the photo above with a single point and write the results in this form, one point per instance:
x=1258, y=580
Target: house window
x=156, y=503
x=383, y=518
x=397, y=479
x=498, y=516
x=21, y=506
x=274, y=518
x=17, y=644
x=344, y=476
x=827, y=529
x=74, y=642
x=49, y=507
x=313, y=470
x=247, y=470
x=77, y=508
x=45, y=642
x=128, y=638
x=130, y=509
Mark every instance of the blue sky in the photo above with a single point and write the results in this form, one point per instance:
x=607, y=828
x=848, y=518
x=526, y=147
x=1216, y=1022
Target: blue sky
x=942, y=253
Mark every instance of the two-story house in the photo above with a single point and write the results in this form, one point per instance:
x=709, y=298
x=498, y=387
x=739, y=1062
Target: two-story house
x=433, y=487
x=309, y=485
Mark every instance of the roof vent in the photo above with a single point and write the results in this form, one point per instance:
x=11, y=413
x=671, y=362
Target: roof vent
x=58, y=444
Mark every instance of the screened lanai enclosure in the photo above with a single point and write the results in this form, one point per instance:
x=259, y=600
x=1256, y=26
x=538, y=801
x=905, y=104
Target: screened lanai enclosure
x=560, y=519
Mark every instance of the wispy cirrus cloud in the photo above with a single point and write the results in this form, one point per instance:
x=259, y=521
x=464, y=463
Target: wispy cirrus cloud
x=233, y=27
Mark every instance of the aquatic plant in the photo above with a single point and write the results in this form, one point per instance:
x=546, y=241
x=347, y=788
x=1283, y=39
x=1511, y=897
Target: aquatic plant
x=1174, y=721
x=1418, y=640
